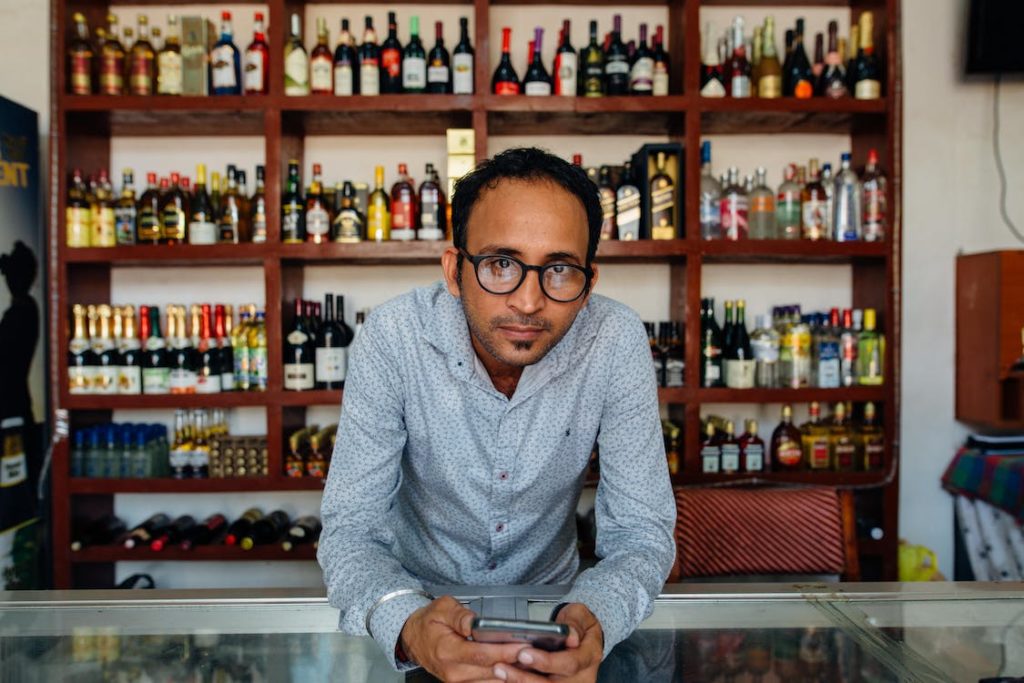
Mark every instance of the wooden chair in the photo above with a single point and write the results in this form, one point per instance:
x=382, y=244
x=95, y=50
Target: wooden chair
x=771, y=533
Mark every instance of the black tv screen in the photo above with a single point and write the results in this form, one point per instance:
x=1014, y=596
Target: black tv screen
x=993, y=39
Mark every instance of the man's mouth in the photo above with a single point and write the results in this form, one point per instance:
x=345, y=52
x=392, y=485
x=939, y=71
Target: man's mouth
x=521, y=333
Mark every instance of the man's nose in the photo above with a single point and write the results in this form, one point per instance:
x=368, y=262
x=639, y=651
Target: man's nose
x=529, y=297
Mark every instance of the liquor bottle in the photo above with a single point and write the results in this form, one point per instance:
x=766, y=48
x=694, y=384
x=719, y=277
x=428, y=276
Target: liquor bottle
x=414, y=59
x=710, y=451
x=846, y=203
x=866, y=73
x=505, y=80
x=439, y=72
x=391, y=59
x=764, y=345
x=675, y=358
x=799, y=345
x=847, y=351
x=144, y=533
x=641, y=73
x=870, y=352
x=103, y=232
x=872, y=440
x=851, y=55
x=348, y=224
x=735, y=208
x=738, y=82
x=173, y=212
x=832, y=82
x=755, y=58
x=182, y=357
x=293, y=210
x=265, y=530
x=258, y=209
x=169, y=64
x=712, y=74
x=818, y=65
x=813, y=206
x=752, y=449
x=787, y=452
x=240, y=350
x=462, y=61
x=728, y=331
x=369, y=61
x=126, y=210
x=174, y=533
x=208, y=373
x=711, y=374
x=303, y=530
x=299, y=354
x=234, y=223
x=403, y=206
x=82, y=360
x=258, y=372
x=142, y=62
x=592, y=66
x=828, y=183
x=606, y=193
x=730, y=449
x=201, y=226
x=787, y=61
x=537, y=81
x=710, y=197
x=874, y=201
x=225, y=62
x=80, y=58
x=431, y=200
x=155, y=369
x=148, y=213
x=296, y=62
x=318, y=217
x=332, y=342
x=828, y=353
x=345, y=63
x=662, y=66
x=762, y=208
x=627, y=206
x=769, y=81
x=204, y=533
x=215, y=196
x=103, y=531
x=789, y=206
x=378, y=214
x=616, y=62
x=799, y=78
x=225, y=353
x=740, y=365
x=108, y=359
x=566, y=67
x=129, y=377
x=321, y=62
x=815, y=440
x=663, y=202
x=843, y=443
x=112, y=61
x=257, y=60
x=242, y=526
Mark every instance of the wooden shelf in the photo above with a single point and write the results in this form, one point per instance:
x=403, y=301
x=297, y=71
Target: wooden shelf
x=205, y=553
x=322, y=397
x=89, y=486
x=418, y=114
x=837, y=479
x=791, y=251
x=366, y=253
x=855, y=394
x=226, y=399
x=522, y=115
x=173, y=254
x=675, y=395
x=154, y=116
x=786, y=115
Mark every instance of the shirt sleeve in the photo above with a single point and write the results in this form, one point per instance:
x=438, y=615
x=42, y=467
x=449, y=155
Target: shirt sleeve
x=635, y=507
x=365, y=475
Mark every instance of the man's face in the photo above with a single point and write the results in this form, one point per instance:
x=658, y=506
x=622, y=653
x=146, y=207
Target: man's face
x=538, y=222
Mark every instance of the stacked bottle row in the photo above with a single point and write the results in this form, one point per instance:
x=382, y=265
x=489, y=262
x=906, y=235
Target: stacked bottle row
x=738, y=65
x=160, y=531
x=316, y=347
x=667, y=352
x=791, y=350
x=120, y=451
x=172, y=211
x=197, y=448
x=810, y=204
x=109, y=354
x=839, y=444
x=309, y=451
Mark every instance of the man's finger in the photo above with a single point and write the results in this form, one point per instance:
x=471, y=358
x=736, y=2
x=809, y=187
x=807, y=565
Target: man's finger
x=480, y=654
x=511, y=674
x=564, y=663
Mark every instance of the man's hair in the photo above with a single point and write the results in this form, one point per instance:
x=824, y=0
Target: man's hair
x=19, y=267
x=531, y=164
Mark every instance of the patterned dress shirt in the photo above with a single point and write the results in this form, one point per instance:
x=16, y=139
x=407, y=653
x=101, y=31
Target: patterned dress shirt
x=439, y=478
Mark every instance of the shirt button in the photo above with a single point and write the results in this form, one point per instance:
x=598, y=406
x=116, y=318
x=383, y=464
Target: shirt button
x=492, y=566
x=503, y=475
x=499, y=527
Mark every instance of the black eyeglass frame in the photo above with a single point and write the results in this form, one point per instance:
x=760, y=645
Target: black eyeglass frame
x=476, y=260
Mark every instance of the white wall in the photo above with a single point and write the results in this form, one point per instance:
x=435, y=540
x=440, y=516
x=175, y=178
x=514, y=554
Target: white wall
x=950, y=204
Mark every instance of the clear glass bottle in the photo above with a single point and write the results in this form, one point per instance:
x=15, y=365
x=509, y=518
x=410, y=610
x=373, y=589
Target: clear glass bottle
x=788, y=206
x=846, y=203
x=735, y=208
x=874, y=202
x=827, y=365
x=710, y=197
x=764, y=343
x=762, y=208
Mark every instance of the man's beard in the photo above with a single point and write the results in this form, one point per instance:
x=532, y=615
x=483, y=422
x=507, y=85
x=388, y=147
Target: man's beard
x=480, y=331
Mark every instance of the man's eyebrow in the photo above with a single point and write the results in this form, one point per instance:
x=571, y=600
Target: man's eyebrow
x=562, y=256
x=509, y=251
x=496, y=249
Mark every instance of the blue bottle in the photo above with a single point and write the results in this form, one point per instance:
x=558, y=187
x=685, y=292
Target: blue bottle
x=78, y=454
x=225, y=62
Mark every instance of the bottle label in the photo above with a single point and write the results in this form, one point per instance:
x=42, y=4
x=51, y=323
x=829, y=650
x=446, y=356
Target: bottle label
x=414, y=73
x=149, y=226
x=253, y=72
x=331, y=364
x=103, y=232
x=290, y=226
x=674, y=368
x=565, y=73
x=259, y=223
x=297, y=337
x=222, y=67
x=298, y=376
x=78, y=226
x=296, y=74
x=846, y=456
x=129, y=379
x=734, y=217
x=541, y=88
x=437, y=74
x=769, y=86
x=156, y=380
x=378, y=224
x=828, y=365
x=202, y=232
x=739, y=374
x=141, y=82
x=713, y=88
x=867, y=89
x=369, y=77
x=660, y=85
x=709, y=459
x=462, y=74
x=762, y=203
x=662, y=210
x=740, y=86
x=506, y=88
x=874, y=454
x=207, y=382
x=111, y=74
x=789, y=453
x=874, y=212
x=321, y=74
x=788, y=215
x=764, y=350
x=753, y=458
x=730, y=458
x=81, y=379
x=258, y=368
x=183, y=381
x=240, y=354
x=813, y=225
x=391, y=62
x=343, y=83
x=81, y=74
x=179, y=459
x=318, y=222
x=173, y=223
x=124, y=224
x=199, y=459
x=627, y=213
x=710, y=216
x=641, y=77
x=803, y=90
x=348, y=227
x=105, y=379
x=607, y=195
x=617, y=67
x=169, y=73
x=818, y=454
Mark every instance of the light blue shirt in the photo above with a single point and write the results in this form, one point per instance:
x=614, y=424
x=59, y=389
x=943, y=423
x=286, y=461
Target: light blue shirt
x=439, y=478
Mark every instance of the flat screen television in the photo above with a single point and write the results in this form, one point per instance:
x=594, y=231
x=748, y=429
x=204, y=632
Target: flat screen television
x=993, y=36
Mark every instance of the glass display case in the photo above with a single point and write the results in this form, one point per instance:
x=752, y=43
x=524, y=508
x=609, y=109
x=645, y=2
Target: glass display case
x=728, y=633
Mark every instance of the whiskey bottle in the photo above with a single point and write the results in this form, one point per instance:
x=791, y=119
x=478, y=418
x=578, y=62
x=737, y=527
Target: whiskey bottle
x=173, y=211
x=414, y=60
x=144, y=533
x=266, y=530
x=378, y=214
x=391, y=59
x=505, y=80
x=208, y=373
x=349, y=225
x=627, y=206
x=866, y=73
x=369, y=61
x=78, y=214
x=156, y=371
x=606, y=193
x=82, y=360
x=345, y=63
x=296, y=62
x=104, y=234
x=671, y=434
x=592, y=66
x=870, y=352
x=663, y=203
x=242, y=526
x=112, y=61
x=403, y=206
x=201, y=226
x=299, y=354
x=872, y=440
x=537, y=81
x=658, y=346
x=710, y=451
x=675, y=364
x=234, y=223
x=204, y=533
x=129, y=379
x=80, y=58
x=844, y=444
x=318, y=218
x=787, y=454
x=255, y=78
x=815, y=440
x=169, y=62
x=752, y=449
x=293, y=211
x=222, y=331
x=142, y=62
x=258, y=209
x=463, y=61
x=148, y=212
x=321, y=62
x=126, y=210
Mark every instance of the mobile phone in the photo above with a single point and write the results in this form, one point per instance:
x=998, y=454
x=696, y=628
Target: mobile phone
x=543, y=635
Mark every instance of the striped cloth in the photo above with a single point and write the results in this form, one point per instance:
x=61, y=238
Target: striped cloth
x=995, y=476
x=737, y=531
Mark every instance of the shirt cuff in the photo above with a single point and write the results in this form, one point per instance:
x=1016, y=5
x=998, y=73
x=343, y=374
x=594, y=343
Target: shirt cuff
x=387, y=622
x=604, y=610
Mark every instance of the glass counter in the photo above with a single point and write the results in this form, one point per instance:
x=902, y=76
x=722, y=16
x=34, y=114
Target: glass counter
x=703, y=633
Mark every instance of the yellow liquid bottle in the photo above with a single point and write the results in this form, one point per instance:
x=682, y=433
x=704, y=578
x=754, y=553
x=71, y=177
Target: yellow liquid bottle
x=378, y=214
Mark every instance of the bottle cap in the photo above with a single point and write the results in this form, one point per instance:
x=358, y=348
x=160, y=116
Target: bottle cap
x=869, y=319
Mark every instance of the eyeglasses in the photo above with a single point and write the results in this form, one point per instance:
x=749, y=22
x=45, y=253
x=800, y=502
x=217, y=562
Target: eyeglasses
x=501, y=274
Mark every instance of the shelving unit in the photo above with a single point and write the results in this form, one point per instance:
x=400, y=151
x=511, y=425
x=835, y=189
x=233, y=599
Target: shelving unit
x=81, y=133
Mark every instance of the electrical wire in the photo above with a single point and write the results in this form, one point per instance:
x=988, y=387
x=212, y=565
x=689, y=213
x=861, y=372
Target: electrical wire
x=999, y=163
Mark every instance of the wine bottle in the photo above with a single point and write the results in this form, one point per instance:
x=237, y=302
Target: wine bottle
x=201, y=226
x=299, y=354
x=432, y=213
x=463, y=62
x=566, y=64
x=391, y=59
x=293, y=210
x=833, y=78
x=641, y=74
x=174, y=533
x=537, y=81
x=321, y=62
x=102, y=531
x=740, y=365
x=866, y=73
x=242, y=526
x=439, y=73
x=711, y=347
x=403, y=206
x=156, y=372
x=369, y=61
x=330, y=355
x=296, y=62
x=303, y=530
x=414, y=60
x=181, y=356
x=144, y=533
x=129, y=380
x=345, y=64
x=225, y=353
x=257, y=60
x=208, y=375
x=799, y=75
x=204, y=533
x=592, y=66
x=225, y=61
x=258, y=209
x=616, y=65
x=662, y=68
x=505, y=80
x=82, y=360
x=266, y=530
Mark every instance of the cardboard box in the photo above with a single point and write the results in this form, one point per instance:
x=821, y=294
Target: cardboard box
x=460, y=164
x=655, y=202
x=198, y=37
x=461, y=141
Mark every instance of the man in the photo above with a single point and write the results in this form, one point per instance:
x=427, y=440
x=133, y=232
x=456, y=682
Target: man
x=471, y=408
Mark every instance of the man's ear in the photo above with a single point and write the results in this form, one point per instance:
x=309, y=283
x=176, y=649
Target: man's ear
x=450, y=268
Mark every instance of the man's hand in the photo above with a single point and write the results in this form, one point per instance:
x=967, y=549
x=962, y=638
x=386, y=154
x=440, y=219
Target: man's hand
x=434, y=637
x=578, y=663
